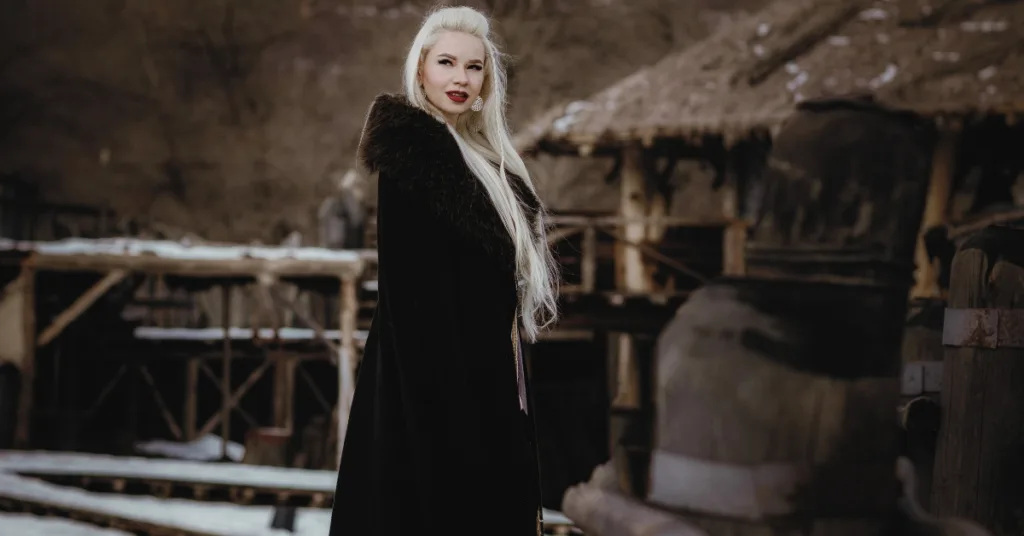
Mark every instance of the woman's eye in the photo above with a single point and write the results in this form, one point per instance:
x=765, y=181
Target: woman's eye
x=476, y=67
x=445, y=62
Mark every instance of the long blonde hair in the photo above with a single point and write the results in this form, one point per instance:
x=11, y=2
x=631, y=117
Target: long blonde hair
x=486, y=145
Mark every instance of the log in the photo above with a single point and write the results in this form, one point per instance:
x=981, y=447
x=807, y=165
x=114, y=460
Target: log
x=978, y=467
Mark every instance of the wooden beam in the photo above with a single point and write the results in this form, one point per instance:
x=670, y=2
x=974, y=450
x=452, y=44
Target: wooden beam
x=26, y=395
x=79, y=306
x=926, y=276
x=191, y=397
x=824, y=19
x=318, y=330
x=201, y=268
x=346, y=357
x=225, y=409
x=232, y=398
x=284, y=390
x=588, y=268
x=172, y=424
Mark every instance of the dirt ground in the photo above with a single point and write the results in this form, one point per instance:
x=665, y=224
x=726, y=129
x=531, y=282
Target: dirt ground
x=232, y=120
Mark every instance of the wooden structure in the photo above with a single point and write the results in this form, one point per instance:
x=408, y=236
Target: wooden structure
x=953, y=62
x=775, y=391
x=224, y=265
x=977, y=474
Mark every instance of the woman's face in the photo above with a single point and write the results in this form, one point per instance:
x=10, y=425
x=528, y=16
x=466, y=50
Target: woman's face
x=452, y=73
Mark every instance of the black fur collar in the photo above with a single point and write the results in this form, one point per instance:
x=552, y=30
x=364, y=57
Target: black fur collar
x=407, y=145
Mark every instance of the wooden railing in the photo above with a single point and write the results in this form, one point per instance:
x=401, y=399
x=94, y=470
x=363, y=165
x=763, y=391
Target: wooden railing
x=689, y=253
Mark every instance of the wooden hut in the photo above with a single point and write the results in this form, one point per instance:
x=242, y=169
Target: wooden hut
x=956, y=63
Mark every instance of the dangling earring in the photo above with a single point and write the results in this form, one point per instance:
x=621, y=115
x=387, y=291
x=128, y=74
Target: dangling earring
x=478, y=104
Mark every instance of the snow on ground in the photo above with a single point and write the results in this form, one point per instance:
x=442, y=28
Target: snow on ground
x=204, y=449
x=29, y=525
x=228, y=474
x=218, y=518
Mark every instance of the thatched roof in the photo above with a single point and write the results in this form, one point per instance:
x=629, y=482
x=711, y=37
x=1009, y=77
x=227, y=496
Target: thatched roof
x=958, y=57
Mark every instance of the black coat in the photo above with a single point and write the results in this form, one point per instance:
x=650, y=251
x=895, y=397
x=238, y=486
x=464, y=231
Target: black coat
x=436, y=442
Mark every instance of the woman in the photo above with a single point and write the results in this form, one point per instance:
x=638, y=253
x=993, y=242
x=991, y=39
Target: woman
x=441, y=433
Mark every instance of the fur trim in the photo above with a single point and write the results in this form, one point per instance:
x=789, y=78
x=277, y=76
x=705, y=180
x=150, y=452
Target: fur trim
x=407, y=145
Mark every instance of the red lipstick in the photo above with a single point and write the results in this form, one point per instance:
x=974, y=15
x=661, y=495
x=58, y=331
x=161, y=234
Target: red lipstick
x=457, y=96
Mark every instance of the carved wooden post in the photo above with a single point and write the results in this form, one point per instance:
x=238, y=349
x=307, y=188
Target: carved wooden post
x=979, y=470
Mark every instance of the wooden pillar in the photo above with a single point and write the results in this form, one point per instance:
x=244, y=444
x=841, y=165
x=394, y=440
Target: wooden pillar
x=631, y=275
x=191, y=397
x=734, y=236
x=346, y=356
x=284, y=390
x=979, y=472
x=26, y=393
x=225, y=408
x=588, y=266
x=935, y=212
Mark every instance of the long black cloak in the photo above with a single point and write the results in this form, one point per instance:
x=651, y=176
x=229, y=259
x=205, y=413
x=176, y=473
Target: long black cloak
x=436, y=440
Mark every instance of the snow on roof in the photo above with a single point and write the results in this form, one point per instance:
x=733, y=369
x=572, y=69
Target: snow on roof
x=167, y=249
x=30, y=525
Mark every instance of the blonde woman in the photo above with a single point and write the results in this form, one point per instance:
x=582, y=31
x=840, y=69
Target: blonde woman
x=441, y=430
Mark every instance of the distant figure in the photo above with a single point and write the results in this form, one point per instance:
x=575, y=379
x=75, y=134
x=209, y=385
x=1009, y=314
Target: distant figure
x=441, y=432
x=343, y=215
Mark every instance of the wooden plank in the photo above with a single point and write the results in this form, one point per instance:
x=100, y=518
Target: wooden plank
x=824, y=19
x=225, y=408
x=982, y=399
x=26, y=395
x=220, y=268
x=936, y=210
x=191, y=398
x=80, y=305
x=231, y=399
x=346, y=358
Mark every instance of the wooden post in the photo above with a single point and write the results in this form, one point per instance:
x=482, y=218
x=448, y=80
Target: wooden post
x=935, y=211
x=588, y=266
x=284, y=390
x=191, y=395
x=225, y=408
x=26, y=394
x=346, y=357
x=734, y=236
x=633, y=210
x=978, y=472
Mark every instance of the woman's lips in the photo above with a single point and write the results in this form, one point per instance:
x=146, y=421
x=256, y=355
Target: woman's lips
x=457, y=96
